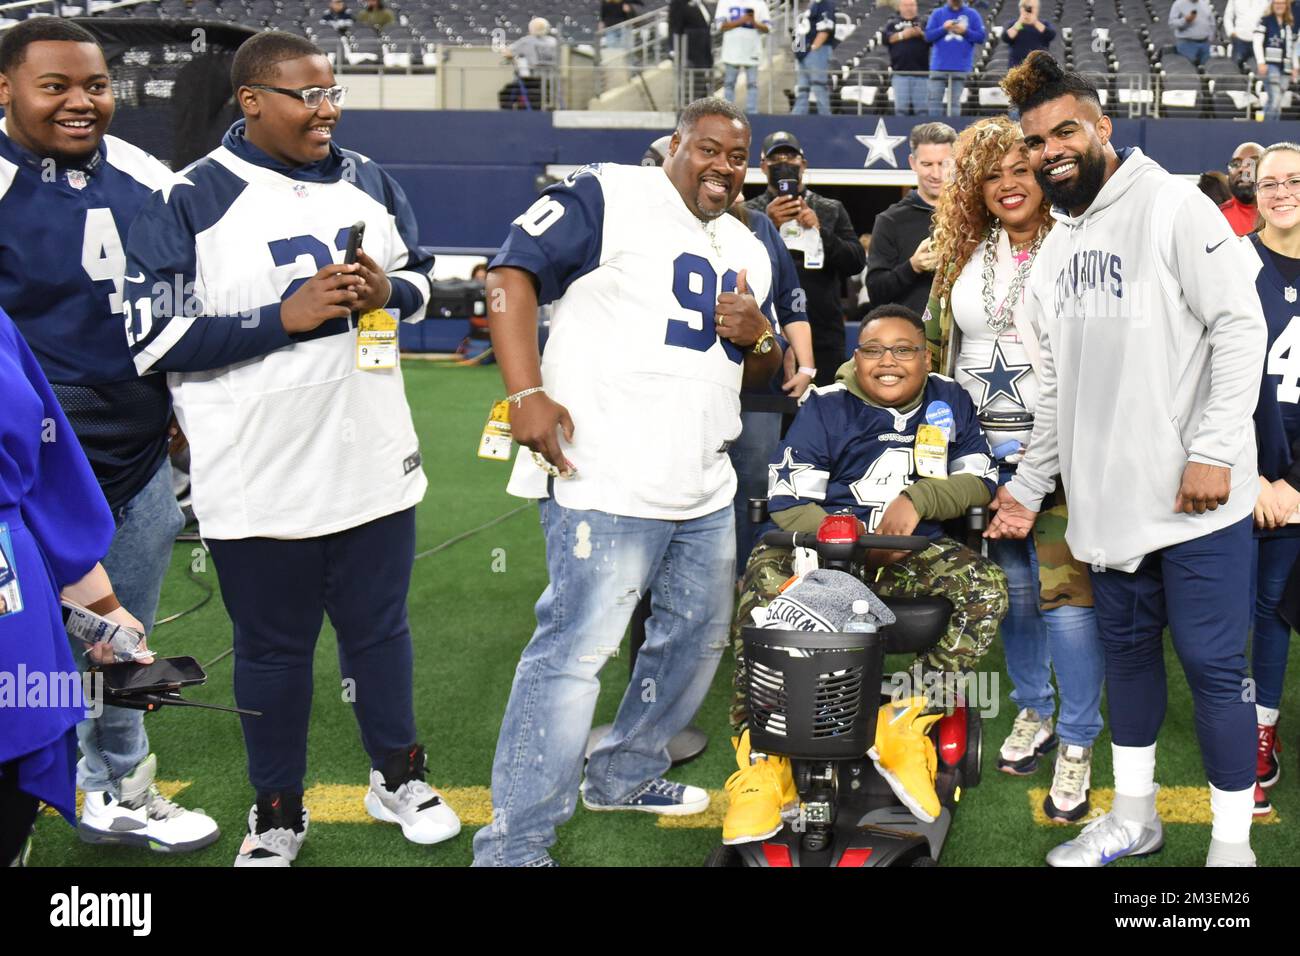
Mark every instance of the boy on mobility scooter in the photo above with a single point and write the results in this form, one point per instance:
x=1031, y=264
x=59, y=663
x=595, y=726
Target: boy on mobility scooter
x=901, y=450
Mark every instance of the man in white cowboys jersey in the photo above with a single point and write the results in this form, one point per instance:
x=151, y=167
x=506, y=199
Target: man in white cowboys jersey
x=68, y=194
x=305, y=465
x=657, y=323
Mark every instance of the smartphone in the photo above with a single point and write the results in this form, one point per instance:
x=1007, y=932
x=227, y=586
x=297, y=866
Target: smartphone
x=355, y=235
x=165, y=673
x=787, y=187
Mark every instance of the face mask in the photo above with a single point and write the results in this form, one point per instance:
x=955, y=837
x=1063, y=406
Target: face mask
x=779, y=171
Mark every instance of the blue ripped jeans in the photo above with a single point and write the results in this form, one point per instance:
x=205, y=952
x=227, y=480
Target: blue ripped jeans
x=600, y=565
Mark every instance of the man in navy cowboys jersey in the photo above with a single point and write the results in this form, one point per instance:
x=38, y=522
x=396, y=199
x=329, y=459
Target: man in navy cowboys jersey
x=902, y=450
x=68, y=194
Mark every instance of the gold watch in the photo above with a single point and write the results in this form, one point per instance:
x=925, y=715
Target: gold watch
x=766, y=342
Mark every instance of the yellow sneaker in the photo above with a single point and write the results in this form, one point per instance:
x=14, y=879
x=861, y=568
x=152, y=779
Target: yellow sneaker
x=905, y=756
x=757, y=792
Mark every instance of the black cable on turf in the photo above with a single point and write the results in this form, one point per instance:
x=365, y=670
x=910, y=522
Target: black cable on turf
x=207, y=588
x=423, y=554
x=473, y=531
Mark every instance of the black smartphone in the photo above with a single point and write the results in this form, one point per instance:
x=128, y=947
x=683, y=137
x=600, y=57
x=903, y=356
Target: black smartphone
x=165, y=673
x=787, y=187
x=355, y=235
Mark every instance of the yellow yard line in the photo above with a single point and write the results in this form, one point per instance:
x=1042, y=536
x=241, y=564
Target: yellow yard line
x=1174, y=804
x=710, y=819
x=344, y=803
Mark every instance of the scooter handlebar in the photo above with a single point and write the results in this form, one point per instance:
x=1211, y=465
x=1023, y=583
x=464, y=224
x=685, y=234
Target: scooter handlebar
x=866, y=542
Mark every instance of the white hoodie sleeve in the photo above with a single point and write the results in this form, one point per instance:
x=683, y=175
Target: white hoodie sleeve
x=1216, y=271
x=1035, y=476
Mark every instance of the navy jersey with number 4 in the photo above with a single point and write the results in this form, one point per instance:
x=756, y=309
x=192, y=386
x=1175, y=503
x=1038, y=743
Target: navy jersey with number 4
x=1277, y=416
x=62, y=262
x=844, y=454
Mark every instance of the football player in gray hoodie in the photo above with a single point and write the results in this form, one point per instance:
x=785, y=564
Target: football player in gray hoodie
x=1153, y=345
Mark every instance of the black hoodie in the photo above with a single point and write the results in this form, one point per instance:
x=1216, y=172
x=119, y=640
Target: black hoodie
x=894, y=237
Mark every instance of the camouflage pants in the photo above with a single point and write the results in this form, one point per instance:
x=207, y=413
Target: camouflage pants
x=976, y=587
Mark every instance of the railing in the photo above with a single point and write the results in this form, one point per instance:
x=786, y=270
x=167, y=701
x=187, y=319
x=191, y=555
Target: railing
x=1132, y=95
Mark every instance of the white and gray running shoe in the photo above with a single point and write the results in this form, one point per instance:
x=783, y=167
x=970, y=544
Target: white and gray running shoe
x=275, y=845
x=1229, y=854
x=399, y=794
x=1108, y=839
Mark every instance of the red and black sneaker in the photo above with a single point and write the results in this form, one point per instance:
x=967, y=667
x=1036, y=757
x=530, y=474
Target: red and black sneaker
x=1267, y=765
x=1262, y=805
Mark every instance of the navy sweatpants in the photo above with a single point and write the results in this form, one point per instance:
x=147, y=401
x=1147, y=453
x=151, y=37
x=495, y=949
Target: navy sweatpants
x=277, y=593
x=1201, y=590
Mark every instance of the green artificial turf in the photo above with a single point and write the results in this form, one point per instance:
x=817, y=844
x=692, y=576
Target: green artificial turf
x=469, y=623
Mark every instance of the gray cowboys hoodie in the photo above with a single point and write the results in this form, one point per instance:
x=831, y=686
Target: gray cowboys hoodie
x=1153, y=344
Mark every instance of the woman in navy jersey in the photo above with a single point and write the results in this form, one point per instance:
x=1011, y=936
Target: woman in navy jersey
x=1277, y=433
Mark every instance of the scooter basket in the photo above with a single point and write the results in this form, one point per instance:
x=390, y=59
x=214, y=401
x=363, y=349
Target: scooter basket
x=812, y=695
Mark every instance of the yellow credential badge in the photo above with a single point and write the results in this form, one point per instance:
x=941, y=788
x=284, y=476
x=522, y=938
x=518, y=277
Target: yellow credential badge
x=496, y=440
x=376, y=341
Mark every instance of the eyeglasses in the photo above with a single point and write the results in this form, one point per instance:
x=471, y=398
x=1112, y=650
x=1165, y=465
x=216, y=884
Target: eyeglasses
x=312, y=97
x=1237, y=164
x=1268, y=187
x=903, y=353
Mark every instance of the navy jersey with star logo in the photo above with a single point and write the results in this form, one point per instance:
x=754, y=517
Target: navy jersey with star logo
x=844, y=454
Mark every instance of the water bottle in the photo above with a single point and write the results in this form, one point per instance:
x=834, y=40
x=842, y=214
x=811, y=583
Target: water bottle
x=861, y=621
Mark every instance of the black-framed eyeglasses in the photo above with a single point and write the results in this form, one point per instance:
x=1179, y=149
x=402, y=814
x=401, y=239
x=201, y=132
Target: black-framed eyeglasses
x=1269, y=187
x=312, y=97
x=903, y=353
x=1237, y=164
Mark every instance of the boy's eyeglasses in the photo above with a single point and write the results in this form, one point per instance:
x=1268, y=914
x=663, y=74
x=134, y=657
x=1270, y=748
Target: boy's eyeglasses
x=1269, y=187
x=904, y=353
x=311, y=97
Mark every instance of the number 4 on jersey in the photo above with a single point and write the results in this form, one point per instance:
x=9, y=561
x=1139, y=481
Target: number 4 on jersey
x=1284, y=361
x=885, y=479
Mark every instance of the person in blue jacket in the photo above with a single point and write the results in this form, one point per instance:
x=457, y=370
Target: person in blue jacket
x=54, y=527
x=953, y=31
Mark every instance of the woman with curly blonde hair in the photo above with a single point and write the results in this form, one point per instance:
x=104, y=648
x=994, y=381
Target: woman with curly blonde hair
x=988, y=227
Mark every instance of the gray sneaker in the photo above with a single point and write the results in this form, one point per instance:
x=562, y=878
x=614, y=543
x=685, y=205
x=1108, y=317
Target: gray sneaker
x=1067, y=801
x=1108, y=839
x=274, y=846
x=1030, y=737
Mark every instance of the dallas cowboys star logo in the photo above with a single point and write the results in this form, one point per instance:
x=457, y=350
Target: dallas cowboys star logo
x=999, y=378
x=880, y=145
x=783, y=475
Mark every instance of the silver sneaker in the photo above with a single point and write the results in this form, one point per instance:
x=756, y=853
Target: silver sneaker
x=1031, y=736
x=1108, y=839
x=1067, y=801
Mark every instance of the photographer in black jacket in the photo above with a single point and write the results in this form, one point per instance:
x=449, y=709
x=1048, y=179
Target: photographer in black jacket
x=821, y=240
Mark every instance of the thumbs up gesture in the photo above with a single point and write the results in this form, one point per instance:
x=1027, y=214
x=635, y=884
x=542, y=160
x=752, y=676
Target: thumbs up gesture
x=737, y=315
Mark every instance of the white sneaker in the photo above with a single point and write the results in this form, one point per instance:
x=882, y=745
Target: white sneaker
x=1229, y=854
x=144, y=817
x=275, y=845
x=400, y=795
x=1031, y=736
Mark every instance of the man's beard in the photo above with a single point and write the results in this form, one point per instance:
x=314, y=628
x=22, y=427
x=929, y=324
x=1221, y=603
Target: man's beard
x=1243, y=192
x=1082, y=190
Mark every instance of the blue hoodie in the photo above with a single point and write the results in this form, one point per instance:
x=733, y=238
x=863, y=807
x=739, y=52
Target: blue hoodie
x=953, y=52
